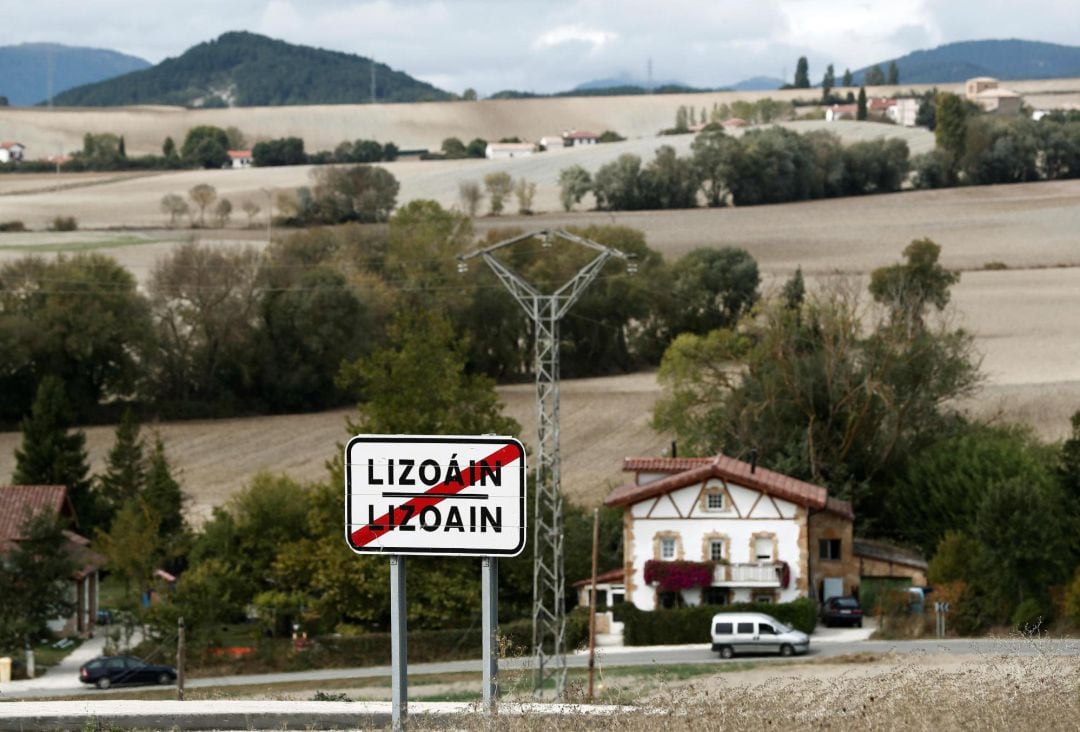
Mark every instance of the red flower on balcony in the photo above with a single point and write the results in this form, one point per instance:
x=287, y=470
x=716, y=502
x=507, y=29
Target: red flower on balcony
x=678, y=575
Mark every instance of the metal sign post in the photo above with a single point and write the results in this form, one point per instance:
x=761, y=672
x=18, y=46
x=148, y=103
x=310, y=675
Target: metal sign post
x=489, y=584
x=441, y=496
x=399, y=665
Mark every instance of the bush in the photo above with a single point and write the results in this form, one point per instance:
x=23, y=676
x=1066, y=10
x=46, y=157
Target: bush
x=692, y=624
x=64, y=223
x=15, y=225
x=1070, y=604
x=1030, y=616
x=930, y=170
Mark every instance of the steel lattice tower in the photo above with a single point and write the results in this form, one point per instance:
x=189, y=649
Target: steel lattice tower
x=545, y=311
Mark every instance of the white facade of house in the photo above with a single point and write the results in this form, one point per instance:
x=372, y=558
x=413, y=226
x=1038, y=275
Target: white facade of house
x=11, y=151
x=240, y=159
x=904, y=111
x=552, y=142
x=576, y=138
x=749, y=532
x=501, y=150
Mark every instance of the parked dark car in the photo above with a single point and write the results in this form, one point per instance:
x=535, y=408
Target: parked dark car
x=841, y=611
x=104, y=671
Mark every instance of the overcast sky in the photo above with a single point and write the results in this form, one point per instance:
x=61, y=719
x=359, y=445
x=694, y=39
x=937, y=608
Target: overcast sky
x=550, y=45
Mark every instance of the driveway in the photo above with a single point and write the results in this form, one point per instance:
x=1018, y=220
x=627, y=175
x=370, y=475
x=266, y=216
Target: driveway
x=64, y=676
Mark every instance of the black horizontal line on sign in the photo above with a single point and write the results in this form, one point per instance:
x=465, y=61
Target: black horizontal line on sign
x=408, y=494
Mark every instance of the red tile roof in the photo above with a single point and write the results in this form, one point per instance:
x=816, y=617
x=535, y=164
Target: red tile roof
x=579, y=135
x=239, y=154
x=612, y=575
x=688, y=471
x=17, y=502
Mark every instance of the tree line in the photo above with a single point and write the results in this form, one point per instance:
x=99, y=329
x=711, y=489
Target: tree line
x=773, y=165
x=218, y=331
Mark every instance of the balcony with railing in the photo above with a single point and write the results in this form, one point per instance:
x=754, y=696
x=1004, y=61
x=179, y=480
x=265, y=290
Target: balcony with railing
x=751, y=574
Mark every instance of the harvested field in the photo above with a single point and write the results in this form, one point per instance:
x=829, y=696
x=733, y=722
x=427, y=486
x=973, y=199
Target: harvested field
x=128, y=200
x=423, y=125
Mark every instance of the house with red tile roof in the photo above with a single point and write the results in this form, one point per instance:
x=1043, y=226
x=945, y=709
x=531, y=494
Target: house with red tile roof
x=11, y=152
x=741, y=532
x=240, y=159
x=18, y=503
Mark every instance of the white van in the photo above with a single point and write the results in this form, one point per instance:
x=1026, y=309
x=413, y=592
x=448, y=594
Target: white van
x=755, y=633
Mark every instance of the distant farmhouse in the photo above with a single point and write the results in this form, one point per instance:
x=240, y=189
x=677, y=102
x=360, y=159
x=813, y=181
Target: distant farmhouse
x=552, y=142
x=576, y=138
x=11, y=152
x=992, y=98
x=502, y=150
x=747, y=533
x=240, y=159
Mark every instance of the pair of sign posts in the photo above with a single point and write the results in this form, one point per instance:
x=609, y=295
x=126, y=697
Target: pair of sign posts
x=430, y=495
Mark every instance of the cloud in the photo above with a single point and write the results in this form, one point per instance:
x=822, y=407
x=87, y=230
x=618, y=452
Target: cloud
x=574, y=34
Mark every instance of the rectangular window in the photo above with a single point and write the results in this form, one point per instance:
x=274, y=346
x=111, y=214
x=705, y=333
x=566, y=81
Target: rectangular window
x=829, y=548
x=716, y=550
x=723, y=629
x=667, y=548
x=617, y=597
x=746, y=628
x=716, y=595
x=714, y=501
x=763, y=549
x=764, y=598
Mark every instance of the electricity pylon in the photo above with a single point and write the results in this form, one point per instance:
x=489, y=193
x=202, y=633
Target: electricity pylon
x=545, y=311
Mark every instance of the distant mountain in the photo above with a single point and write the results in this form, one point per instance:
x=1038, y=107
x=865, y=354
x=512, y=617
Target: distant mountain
x=1003, y=59
x=624, y=81
x=24, y=69
x=244, y=70
x=758, y=83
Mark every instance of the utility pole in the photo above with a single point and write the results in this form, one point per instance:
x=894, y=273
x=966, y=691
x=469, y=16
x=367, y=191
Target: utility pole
x=181, y=654
x=592, y=598
x=545, y=311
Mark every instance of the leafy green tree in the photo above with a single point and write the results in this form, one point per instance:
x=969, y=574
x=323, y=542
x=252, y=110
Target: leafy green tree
x=848, y=80
x=203, y=196
x=453, y=148
x=34, y=580
x=470, y=193
x=794, y=291
x=617, y=185
x=908, y=290
x=477, y=148
x=682, y=119
x=828, y=82
x=498, y=185
x=950, y=132
x=133, y=548
x=574, y=183
x=418, y=384
x=283, y=151
x=168, y=149
x=51, y=453
x=875, y=166
x=861, y=111
x=92, y=332
x=802, y=74
x=205, y=146
x=363, y=193
x=163, y=494
x=714, y=156
x=125, y=468
x=712, y=288
x=874, y=76
x=1069, y=461
x=175, y=206
x=469, y=95
x=894, y=74
x=1002, y=151
x=525, y=192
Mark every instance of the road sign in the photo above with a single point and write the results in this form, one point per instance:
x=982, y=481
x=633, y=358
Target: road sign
x=436, y=495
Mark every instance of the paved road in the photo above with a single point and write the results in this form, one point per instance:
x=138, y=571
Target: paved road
x=611, y=657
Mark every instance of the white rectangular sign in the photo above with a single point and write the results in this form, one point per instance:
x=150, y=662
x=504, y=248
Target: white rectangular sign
x=441, y=495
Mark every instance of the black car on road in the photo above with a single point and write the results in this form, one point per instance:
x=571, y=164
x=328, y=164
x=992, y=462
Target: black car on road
x=104, y=671
x=841, y=611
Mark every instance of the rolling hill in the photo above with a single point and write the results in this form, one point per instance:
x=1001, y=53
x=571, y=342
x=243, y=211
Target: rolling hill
x=24, y=69
x=247, y=70
x=1004, y=59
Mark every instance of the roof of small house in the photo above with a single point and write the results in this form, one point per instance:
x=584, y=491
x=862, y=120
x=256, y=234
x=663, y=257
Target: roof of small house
x=7, y=144
x=580, y=135
x=612, y=575
x=511, y=146
x=735, y=122
x=880, y=104
x=235, y=154
x=19, y=502
x=885, y=552
x=691, y=470
x=998, y=93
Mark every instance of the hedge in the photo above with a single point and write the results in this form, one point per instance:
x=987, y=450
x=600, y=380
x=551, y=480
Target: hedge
x=692, y=624
x=373, y=649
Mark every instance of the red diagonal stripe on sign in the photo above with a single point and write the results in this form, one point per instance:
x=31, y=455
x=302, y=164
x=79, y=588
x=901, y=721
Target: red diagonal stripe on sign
x=365, y=535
